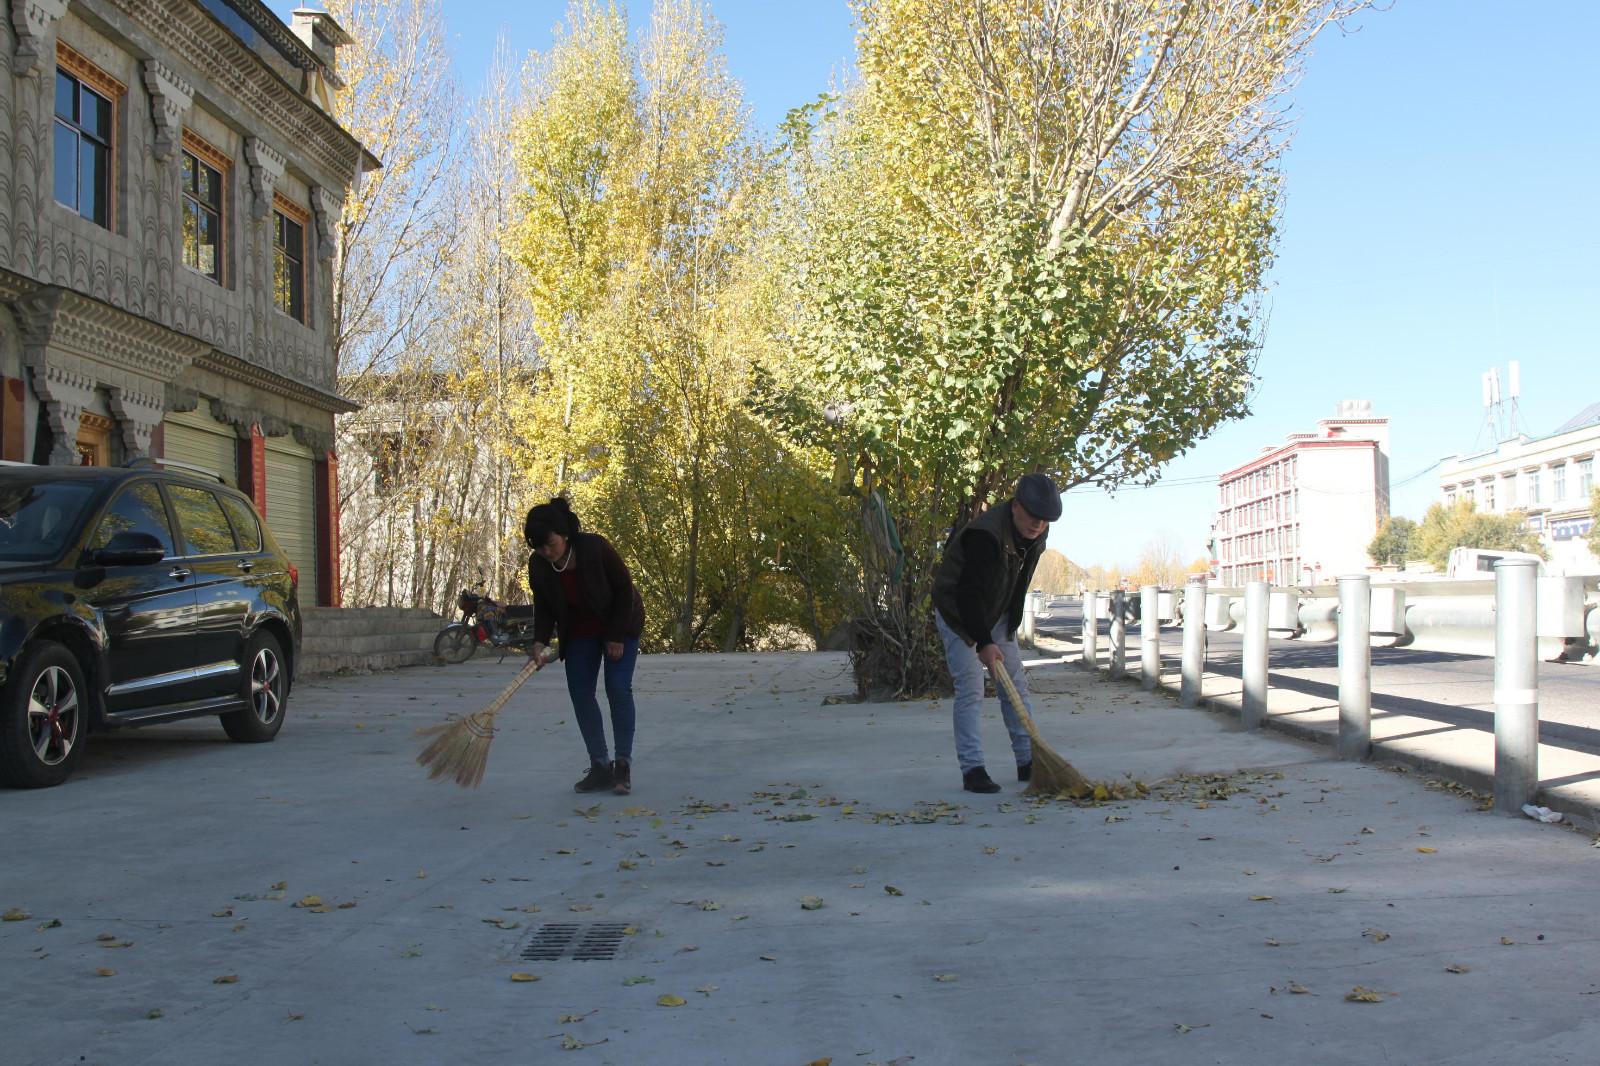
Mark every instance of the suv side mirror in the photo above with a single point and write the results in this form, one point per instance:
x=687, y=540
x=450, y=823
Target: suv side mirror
x=128, y=549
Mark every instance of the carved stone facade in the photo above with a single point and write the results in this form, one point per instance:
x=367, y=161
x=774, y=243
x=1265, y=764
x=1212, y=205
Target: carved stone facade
x=103, y=315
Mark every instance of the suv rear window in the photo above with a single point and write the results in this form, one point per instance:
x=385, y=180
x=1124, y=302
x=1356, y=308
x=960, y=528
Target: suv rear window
x=244, y=523
x=205, y=527
x=37, y=519
x=136, y=510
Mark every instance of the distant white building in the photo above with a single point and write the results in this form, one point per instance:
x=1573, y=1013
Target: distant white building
x=1304, y=511
x=1550, y=478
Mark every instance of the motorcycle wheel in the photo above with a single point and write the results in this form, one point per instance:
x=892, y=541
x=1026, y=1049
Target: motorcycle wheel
x=454, y=644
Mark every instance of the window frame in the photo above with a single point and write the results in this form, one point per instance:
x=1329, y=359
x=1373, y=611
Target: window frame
x=207, y=154
x=290, y=211
x=76, y=65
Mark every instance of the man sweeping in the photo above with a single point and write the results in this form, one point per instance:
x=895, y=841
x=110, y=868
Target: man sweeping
x=978, y=597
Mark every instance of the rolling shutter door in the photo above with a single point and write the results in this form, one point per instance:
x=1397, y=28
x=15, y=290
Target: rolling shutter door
x=291, y=511
x=197, y=438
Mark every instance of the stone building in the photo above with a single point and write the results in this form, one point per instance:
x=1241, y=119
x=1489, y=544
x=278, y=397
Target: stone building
x=171, y=178
x=1549, y=480
x=1304, y=511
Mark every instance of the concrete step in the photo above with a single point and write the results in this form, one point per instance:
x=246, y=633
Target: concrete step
x=366, y=644
x=324, y=665
x=342, y=640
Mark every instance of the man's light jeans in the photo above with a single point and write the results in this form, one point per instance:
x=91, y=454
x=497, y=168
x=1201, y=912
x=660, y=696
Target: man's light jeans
x=968, y=674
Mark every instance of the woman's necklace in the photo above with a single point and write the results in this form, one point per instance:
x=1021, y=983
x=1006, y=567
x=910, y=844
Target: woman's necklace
x=566, y=561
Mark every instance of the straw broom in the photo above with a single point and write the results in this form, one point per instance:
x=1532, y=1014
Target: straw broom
x=460, y=749
x=1052, y=775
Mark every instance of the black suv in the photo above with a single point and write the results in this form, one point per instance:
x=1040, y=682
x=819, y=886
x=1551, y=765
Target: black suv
x=130, y=597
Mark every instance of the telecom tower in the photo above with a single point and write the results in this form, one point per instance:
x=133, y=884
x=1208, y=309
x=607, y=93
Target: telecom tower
x=1500, y=413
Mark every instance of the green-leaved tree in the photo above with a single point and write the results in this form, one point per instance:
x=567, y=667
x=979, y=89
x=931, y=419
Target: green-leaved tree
x=1462, y=525
x=1393, y=546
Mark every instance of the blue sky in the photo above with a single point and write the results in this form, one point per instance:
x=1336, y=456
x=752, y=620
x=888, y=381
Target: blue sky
x=1440, y=220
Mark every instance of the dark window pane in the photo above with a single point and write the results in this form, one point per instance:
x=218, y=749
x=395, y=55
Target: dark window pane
x=294, y=239
x=66, y=97
x=209, y=186
x=93, y=187
x=191, y=234
x=209, y=240
x=95, y=115
x=190, y=166
x=66, y=166
x=244, y=524
x=36, y=519
x=136, y=510
x=205, y=527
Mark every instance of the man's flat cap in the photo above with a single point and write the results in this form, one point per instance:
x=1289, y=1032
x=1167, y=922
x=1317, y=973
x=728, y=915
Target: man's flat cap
x=1039, y=497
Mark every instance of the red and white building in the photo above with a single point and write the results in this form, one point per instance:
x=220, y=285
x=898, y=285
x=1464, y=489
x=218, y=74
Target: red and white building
x=1304, y=511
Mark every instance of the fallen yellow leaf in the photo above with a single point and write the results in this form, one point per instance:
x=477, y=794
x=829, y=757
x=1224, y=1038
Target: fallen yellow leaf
x=1507, y=941
x=1298, y=989
x=1427, y=851
x=1359, y=994
x=226, y=979
x=1457, y=967
x=670, y=1000
x=892, y=890
x=523, y=978
x=810, y=903
x=945, y=977
x=1260, y=899
x=308, y=901
x=105, y=971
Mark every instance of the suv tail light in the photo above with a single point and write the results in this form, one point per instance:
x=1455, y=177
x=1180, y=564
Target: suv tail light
x=294, y=575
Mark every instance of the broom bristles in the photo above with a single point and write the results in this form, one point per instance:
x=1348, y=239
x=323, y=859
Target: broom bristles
x=460, y=748
x=1052, y=775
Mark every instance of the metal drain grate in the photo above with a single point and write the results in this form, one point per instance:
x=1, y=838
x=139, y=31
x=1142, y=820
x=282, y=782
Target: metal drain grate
x=596, y=941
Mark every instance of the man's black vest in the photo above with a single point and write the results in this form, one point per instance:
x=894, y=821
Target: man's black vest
x=1017, y=566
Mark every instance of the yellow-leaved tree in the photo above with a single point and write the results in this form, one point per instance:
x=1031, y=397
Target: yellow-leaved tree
x=644, y=198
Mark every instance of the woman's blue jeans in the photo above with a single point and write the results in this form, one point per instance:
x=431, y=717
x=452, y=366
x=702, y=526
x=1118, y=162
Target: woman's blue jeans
x=585, y=656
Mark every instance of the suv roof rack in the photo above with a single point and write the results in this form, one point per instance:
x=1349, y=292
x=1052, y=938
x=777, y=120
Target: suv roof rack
x=150, y=460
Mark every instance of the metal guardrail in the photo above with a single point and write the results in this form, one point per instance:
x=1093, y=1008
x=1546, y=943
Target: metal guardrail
x=1518, y=618
x=1446, y=616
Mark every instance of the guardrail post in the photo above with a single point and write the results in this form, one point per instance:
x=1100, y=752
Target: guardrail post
x=1194, y=643
x=1355, y=666
x=1516, y=684
x=1119, y=637
x=1091, y=629
x=1257, y=596
x=1150, y=637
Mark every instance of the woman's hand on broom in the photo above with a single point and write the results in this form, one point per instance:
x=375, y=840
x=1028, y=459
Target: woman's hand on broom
x=988, y=655
x=543, y=654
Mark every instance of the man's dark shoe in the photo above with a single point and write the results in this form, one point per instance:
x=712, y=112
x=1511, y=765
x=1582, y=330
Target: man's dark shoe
x=977, y=780
x=1025, y=771
x=622, y=776
x=598, y=779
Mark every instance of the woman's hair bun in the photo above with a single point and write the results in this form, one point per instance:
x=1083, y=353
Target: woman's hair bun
x=547, y=518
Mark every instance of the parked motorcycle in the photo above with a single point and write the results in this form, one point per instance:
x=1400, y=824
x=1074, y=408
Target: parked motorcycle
x=486, y=622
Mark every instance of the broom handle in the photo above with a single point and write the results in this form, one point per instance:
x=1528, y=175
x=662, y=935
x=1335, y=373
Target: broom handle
x=526, y=672
x=997, y=670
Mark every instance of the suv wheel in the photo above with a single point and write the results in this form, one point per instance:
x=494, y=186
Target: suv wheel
x=265, y=689
x=43, y=718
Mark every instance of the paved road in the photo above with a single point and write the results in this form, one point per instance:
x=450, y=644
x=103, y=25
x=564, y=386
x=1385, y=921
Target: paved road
x=1453, y=689
x=1226, y=919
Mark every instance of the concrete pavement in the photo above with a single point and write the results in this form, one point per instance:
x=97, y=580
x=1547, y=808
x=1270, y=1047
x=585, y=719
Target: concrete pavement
x=1225, y=919
x=1430, y=711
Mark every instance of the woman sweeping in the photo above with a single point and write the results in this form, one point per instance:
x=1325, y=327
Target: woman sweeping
x=583, y=593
